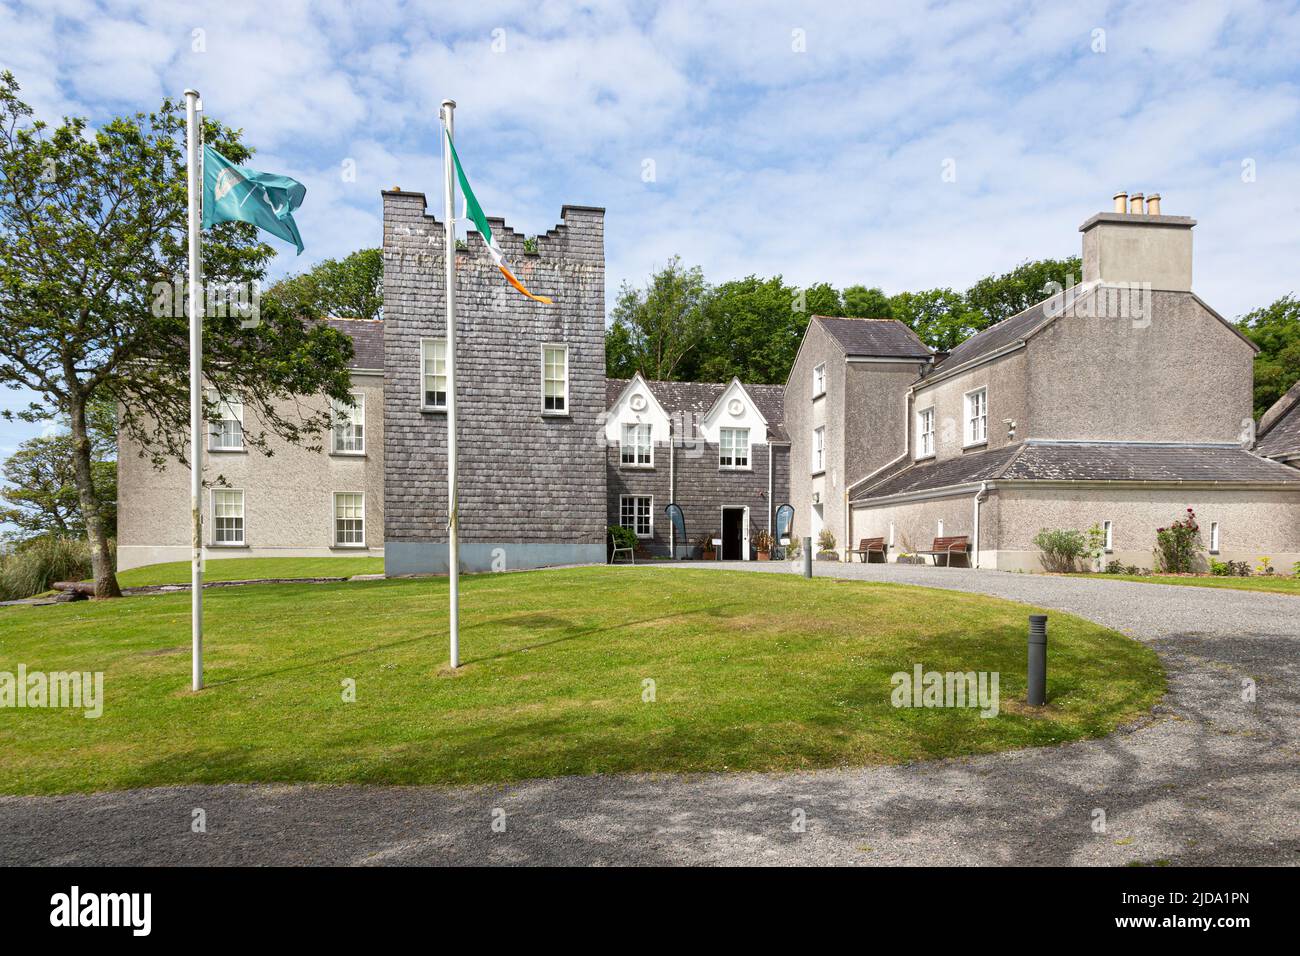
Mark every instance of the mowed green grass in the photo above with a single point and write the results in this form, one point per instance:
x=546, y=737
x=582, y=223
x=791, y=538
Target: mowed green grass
x=248, y=569
x=750, y=672
x=1275, y=583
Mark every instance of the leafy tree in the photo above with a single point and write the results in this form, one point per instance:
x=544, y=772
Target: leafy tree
x=1275, y=328
x=754, y=327
x=939, y=316
x=655, y=329
x=41, y=495
x=999, y=297
x=863, y=303
x=350, y=288
x=92, y=227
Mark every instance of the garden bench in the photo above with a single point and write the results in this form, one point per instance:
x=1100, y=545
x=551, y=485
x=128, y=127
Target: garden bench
x=948, y=547
x=867, y=547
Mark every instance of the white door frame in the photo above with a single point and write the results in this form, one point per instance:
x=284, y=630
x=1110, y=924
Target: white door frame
x=744, y=527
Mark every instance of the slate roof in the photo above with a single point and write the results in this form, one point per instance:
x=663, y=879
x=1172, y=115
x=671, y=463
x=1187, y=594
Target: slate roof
x=877, y=338
x=696, y=398
x=1279, y=428
x=367, y=340
x=1086, y=461
x=1006, y=332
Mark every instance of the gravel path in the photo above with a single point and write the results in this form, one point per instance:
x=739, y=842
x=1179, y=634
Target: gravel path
x=1213, y=780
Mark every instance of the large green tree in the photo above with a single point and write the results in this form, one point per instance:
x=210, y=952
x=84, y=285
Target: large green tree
x=861, y=302
x=999, y=297
x=347, y=288
x=656, y=328
x=92, y=230
x=1275, y=328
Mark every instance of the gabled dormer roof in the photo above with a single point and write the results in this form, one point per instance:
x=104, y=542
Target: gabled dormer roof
x=695, y=400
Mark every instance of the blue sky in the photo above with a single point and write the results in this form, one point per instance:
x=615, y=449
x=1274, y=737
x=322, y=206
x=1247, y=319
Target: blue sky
x=806, y=140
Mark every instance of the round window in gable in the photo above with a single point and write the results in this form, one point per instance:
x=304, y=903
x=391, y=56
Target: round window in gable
x=638, y=403
x=736, y=407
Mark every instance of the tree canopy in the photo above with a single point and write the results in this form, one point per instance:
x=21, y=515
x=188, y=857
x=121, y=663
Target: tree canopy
x=1275, y=328
x=92, y=243
x=347, y=288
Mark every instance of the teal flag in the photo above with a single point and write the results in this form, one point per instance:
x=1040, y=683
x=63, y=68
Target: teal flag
x=238, y=194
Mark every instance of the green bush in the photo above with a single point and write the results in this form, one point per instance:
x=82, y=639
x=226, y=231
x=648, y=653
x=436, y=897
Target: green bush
x=35, y=565
x=1063, y=548
x=825, y=540
x=1178, y=546
x=623, y=537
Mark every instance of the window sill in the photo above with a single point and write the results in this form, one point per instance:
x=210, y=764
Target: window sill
x=425, y=410
x=929, y=457
x=557, y=415
x=976, y=444
x=818, y=473
x=227, y=451
x=349, y=547
x=735, y=468
x=626, y=467
x=227, y=547
x=347, y=454
x=821, y=394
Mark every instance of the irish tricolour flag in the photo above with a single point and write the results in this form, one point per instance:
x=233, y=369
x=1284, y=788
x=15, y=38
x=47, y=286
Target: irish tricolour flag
x=475, y=213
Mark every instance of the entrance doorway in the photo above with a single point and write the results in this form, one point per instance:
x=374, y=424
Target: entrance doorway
x=735, y=534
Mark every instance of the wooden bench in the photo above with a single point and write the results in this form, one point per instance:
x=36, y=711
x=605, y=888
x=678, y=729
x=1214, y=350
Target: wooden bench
x=867, y=547
x=948, y=547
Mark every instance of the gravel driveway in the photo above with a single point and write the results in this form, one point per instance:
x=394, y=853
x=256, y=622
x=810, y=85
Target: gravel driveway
x=1212, y=780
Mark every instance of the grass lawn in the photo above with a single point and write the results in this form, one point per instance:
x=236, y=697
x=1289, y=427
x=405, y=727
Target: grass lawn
x=1278, y=583
x=244, y=569
x=751, y=672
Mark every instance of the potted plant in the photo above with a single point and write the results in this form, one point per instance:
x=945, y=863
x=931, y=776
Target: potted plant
x=763, y=545
x=826, y=546
x=707, y=551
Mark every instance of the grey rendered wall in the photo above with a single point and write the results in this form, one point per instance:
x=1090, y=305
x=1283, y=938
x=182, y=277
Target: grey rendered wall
x=288, y=498
x=915, y=523
x=875, y=419
x=702, y=490
x=802, y=415
x=1252, y=524
x=1006, y=380
x=1184, y=376
x=532, y=487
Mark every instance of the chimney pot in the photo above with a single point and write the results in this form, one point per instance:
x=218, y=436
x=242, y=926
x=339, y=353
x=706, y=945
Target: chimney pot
x=1121, y=202
x=1135, y=204
x=1153, y=204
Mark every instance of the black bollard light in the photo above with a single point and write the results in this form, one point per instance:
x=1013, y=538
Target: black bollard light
x=807, y=557
x=1037, y=696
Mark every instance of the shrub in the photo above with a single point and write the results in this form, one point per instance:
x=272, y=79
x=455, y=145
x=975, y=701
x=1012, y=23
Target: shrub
x=1062, y=548
x=1178, y=545
x=825, y=540
x=1238, y=569
x=1265, y=566
x=1295, y=569
x=794, y=548
x=623, y=537
x=1219, y=568
x=1114, y=567
x=37, y=564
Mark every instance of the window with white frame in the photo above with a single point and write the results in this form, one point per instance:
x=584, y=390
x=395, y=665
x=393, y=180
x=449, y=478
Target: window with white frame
x=1214, y=537
x=1108, y=536
x=636, y=449
x=977, y=417
x=227, y=516
x=819, y=380
x=925, y=432
x=226, y=431
x=733, y=448
x=819, y=449
x=349, y=519
x=636, y=512
x=350, y=426
x=433, y=363
x=555, y=379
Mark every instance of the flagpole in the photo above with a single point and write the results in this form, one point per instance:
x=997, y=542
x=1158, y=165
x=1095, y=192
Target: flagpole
x=453, y=514
x=193, y=186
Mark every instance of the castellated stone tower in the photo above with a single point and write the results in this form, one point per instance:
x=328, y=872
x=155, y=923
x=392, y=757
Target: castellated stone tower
x=530, y=394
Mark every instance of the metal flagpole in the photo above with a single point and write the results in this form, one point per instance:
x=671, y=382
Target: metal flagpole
x=194, y=187
x=453, y=514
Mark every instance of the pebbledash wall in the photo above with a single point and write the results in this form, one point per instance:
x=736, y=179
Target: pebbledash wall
x=537, y=497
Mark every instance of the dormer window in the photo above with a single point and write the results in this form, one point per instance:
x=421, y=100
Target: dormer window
x=636, y=449
x=925, y=433
x=819, y=381
x=733, y=448
x=977, y=417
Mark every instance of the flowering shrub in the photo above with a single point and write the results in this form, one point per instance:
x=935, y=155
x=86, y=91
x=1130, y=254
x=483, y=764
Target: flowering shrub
x=1178, y=545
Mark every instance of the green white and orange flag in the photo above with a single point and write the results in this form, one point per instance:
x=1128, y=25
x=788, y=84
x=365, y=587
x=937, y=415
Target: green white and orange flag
x=475, y=213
